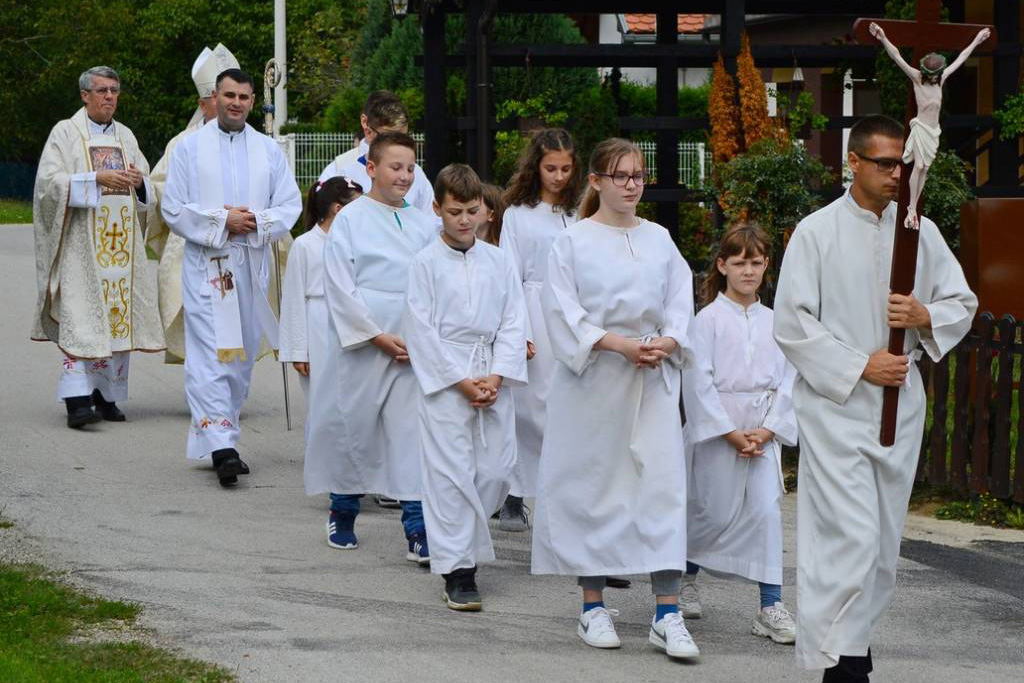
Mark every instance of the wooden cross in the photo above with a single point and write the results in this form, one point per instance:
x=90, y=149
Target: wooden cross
x=925, y=34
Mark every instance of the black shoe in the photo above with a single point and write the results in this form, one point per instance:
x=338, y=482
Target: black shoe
x=244, y=469
x=616, y=582
x=850, y=669
x=228, y=466
x=80, y=412
x=460, y=591
x=513, y=515
x=108, y=410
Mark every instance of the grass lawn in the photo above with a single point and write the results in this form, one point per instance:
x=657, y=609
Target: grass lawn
x=15, y=211
x=51, y=633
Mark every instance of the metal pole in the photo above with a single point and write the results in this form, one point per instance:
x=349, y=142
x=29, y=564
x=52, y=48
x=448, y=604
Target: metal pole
x=271, y=77
x=483, y=105
x=281, y=57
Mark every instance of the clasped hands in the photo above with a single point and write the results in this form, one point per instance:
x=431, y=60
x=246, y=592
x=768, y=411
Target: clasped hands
x=481, y=392
x=749, y=443
x=120, y=180
x=888, y=370
x=640, y=354
x=240, y=220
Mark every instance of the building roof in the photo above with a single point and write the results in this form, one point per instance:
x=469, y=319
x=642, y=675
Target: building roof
x=640, y=24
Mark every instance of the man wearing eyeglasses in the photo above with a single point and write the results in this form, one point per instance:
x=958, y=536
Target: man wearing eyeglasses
x=96, y=302
x=833, y=313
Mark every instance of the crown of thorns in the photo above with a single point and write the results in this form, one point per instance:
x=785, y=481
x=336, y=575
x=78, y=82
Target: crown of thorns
x=933, y=63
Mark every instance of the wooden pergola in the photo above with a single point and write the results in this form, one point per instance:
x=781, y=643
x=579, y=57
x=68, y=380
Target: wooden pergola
x=479, y=55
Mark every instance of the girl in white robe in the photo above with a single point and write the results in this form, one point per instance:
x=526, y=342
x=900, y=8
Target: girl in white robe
x=739, y=409
x=373, y=446
x=541, y=201
x=611, y=490
x=303, y=330
x=465, y=327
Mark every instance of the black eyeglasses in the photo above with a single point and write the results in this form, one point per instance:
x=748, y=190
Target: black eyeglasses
x=620, y=179
x=884, y=164
x=103, y=91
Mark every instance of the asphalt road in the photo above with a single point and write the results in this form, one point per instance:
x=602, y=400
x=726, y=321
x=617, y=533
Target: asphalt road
x=243, y=577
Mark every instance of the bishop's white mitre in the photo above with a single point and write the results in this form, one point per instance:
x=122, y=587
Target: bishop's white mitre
x=208, y=65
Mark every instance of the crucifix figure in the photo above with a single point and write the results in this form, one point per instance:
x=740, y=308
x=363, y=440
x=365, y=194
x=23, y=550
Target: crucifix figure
x=926, y=34
x=923, y=139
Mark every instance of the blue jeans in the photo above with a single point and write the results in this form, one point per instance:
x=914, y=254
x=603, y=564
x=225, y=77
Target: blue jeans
x=770, y=593
x=412, y=511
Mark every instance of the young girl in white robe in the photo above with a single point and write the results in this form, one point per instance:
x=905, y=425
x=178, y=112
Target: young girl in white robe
x=739, y=409
x=465, y=328
x=541, y=201
x=611, y=490
x=303, y=330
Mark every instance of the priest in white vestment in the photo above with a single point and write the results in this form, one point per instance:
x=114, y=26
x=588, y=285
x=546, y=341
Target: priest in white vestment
x=229, y=193
x=833, y=313
x=169, y=247
x=90, y=205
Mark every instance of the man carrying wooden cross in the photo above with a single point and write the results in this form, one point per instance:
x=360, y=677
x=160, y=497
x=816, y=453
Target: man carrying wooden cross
x=852, y=280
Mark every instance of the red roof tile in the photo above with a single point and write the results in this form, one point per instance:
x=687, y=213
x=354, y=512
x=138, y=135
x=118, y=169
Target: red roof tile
x=646, y=23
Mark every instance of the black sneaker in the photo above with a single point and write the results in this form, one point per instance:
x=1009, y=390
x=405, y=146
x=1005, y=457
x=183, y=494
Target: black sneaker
x=513, y=515
x=108, y=410
x=460, y=591
x=80, y=412
x=228, y=466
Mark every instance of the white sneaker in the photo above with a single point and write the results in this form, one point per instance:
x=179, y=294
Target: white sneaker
x=689, y=601
x=670, y=635
x=596, y=629
x=775, y=622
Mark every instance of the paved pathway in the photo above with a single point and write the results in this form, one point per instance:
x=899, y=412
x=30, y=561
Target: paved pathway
x=243, y=577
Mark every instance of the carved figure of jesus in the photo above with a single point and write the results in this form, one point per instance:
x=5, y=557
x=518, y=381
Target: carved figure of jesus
x=923, y=140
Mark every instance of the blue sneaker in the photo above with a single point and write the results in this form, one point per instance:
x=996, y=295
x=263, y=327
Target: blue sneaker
x=418, y=551
x=340, y=533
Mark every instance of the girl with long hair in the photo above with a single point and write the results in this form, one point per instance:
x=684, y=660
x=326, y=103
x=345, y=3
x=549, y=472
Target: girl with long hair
x=739, y=409
x=617, y=304
x=541, y=202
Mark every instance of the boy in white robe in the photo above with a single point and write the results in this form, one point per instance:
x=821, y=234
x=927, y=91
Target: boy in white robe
x=739, y=410
x=383, y=113
x=376, y=446
x=833, y=312
x=229, y=194
x=465, y=327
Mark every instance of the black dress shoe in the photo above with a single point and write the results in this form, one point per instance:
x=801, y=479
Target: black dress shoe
x=244, y=469
x=228, y=466
x=108, y=410
x=80, y=412
x=616, y=582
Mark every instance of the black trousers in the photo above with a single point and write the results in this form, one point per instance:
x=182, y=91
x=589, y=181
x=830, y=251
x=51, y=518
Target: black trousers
x=849, y=670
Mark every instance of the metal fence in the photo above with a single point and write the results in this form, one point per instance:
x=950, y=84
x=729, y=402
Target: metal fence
x=694, y=162
x=972, y=439
x=311, y=152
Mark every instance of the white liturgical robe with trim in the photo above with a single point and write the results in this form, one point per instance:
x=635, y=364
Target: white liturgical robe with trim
x=225, y=316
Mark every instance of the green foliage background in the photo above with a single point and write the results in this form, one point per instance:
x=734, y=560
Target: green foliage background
x=46, y=44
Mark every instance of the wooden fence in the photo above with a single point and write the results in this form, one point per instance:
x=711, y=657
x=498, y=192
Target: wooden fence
x=971, y=441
